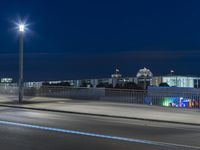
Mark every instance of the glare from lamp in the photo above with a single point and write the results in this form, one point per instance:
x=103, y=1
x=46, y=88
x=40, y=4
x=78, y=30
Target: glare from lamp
x=21, y=27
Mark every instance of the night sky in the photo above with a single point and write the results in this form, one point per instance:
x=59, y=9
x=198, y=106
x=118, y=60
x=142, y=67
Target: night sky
x=89, y=39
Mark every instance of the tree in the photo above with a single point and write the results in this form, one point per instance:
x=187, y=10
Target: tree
x=164, y=84
x=101, y=85
x=104, y=85
x=45, y=83
x=118, y=86
x=131, y=85
x=64, y=84
x=83, y=84
x=86, y=84
x=128, y=85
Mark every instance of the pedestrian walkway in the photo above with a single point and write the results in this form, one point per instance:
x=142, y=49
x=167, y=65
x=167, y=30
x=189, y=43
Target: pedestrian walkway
x=111, y=109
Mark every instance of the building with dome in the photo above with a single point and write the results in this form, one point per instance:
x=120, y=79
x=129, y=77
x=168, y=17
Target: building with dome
x=144, y=78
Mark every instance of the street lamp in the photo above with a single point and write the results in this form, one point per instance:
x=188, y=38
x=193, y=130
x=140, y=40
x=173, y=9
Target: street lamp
x=21, y=27
x=21, y=61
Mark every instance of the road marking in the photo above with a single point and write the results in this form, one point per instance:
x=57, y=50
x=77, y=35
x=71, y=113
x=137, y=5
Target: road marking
x=149, y=142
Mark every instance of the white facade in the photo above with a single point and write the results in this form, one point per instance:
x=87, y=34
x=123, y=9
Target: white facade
x=182, y=81
x=33, y=84
x=6, y=80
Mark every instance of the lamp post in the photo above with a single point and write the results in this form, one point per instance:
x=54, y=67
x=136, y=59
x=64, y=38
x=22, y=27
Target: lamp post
x=21, y=61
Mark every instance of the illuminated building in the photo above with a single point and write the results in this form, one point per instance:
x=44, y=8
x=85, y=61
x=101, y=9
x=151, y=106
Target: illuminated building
x=6, y=80
x=177, y=81
x=116, y=77
x=144, y=78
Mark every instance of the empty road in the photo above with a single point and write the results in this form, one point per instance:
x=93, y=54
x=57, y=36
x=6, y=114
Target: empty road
x=23, y=129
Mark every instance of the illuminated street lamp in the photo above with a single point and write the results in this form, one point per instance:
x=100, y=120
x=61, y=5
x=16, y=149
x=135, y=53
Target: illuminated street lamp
x=21, y=27
x=21, y=61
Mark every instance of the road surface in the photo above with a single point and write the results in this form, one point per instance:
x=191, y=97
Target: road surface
x=23, y=129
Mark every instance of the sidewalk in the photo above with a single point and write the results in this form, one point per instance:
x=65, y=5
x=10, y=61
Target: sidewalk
x=99, y=108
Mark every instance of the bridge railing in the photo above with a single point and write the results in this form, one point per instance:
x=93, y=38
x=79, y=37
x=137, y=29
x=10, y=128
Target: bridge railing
x=160, y=98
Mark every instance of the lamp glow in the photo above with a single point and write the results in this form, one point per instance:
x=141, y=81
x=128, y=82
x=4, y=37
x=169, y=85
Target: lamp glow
x=21, y=27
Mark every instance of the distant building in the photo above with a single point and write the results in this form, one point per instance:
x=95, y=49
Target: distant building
x=116, y=77
x=6, y=80
x=177, y=81
x=144, y=78
x=33, y=84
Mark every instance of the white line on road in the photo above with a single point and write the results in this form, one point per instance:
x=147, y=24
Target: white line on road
x=98, y=135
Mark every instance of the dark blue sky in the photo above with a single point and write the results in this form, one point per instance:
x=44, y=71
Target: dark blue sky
x=88, y=39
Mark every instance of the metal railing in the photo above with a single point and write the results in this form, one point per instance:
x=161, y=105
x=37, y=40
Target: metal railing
x=125, y=95
x=68, y=92
x=160, y=98
x=174, y=99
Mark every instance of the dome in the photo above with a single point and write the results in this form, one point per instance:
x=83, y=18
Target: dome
x=144, y=73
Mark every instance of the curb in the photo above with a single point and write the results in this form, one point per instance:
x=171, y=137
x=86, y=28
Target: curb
x=99, y=115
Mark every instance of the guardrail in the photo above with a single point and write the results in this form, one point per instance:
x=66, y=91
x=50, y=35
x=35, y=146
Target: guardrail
x=160, y=98
x=68, y=92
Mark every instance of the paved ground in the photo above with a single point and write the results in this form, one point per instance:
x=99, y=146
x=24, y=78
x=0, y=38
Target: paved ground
x=23, y=129
x=190, y=116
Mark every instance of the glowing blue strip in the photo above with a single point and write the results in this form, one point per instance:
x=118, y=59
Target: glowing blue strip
x=97, y=135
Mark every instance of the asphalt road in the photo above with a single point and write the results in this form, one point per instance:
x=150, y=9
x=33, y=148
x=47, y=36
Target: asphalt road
x=22, y=129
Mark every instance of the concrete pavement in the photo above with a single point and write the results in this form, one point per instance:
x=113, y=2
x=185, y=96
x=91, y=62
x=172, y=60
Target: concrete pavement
x=135, y=111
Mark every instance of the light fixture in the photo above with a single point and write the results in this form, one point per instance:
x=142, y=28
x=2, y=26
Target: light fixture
x=21, y=27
